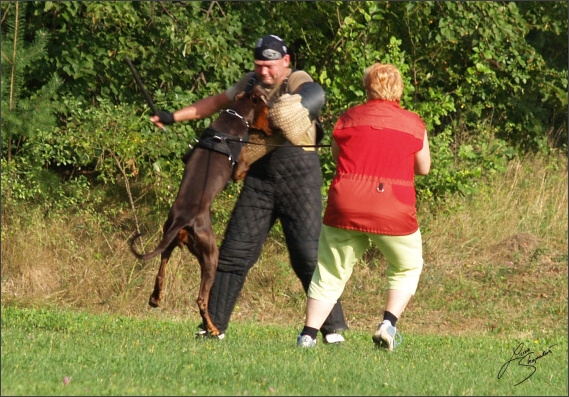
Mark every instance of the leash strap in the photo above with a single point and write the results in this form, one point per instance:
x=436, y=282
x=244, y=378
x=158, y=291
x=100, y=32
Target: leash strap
x=272, y=145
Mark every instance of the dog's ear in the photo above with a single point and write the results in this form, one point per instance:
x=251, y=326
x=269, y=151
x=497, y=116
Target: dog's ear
x=261, y=121
x=258, y=93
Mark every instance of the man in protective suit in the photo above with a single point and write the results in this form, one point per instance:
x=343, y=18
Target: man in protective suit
x=284, y=183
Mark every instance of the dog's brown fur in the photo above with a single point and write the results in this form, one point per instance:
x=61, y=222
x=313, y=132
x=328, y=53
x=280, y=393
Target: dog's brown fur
x=206, y=174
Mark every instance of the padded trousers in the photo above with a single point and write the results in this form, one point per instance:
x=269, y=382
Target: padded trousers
x=286, y=185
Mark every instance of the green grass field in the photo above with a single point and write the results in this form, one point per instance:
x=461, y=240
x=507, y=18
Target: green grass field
x=46, y=352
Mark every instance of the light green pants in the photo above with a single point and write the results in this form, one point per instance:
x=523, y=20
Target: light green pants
x=340, y=249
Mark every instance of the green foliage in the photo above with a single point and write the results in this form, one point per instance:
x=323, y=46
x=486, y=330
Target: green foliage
x=107, y=142
x=474, y=164
x=174, y=45
x=494, y=75
x=25, y=112
x=483, y=75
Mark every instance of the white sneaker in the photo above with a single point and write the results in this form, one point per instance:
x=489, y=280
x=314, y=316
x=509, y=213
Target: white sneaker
x=387, y=336
x=202, y=333
x=334, y=338
x=305, y=341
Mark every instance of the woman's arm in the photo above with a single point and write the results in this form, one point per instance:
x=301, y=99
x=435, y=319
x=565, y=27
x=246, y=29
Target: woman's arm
x=423, y=158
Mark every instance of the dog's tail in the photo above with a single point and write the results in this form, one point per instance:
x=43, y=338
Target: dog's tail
x=145, y=257
x=166, y=242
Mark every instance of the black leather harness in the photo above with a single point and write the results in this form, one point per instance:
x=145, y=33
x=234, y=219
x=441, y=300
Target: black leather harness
x=219, y=142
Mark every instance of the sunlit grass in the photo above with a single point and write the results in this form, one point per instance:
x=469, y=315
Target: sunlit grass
x=67, y=353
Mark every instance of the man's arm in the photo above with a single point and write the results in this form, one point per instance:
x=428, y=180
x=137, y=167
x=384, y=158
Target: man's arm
x=312, y=94
x=201, y=109
x=313, y=98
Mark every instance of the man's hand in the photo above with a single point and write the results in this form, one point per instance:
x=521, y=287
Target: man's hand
x=165, y=117
x=162, y=118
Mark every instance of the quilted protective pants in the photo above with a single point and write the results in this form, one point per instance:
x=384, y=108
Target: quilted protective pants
x=286, y=185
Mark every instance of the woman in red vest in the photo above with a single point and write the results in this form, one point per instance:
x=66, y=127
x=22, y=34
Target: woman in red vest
x=379, y=147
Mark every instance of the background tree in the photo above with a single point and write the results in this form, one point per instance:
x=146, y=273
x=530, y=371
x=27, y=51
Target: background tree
x=489, y=78
x=26, y=110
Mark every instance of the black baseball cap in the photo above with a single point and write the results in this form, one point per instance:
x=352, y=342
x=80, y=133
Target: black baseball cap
x=270, y=48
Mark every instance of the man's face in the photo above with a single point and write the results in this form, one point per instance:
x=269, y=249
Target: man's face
x=272, y=72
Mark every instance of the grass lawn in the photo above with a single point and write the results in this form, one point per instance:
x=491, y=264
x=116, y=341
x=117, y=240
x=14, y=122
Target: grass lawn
x=46, y=352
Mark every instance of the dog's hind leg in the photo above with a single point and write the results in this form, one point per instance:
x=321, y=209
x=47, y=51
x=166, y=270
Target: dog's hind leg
x=156, y=296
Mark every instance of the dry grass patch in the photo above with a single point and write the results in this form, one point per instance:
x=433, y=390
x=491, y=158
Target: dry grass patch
x=495, y=263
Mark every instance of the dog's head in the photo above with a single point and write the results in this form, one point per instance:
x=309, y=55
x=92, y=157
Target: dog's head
x=262, y=105
x=254, y=106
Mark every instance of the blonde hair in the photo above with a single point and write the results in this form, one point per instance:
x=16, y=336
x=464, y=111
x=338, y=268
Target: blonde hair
x=383, y=81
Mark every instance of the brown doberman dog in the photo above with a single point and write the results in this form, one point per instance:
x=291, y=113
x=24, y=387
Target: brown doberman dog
x=210, y=166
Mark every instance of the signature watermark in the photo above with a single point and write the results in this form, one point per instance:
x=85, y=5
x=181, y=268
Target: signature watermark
x=526, y=358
